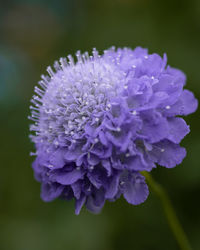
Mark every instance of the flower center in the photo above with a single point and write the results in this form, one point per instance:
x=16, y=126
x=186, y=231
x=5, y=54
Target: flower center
x=75, y=94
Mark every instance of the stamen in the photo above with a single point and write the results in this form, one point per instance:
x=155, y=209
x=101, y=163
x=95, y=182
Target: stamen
x=50, y=71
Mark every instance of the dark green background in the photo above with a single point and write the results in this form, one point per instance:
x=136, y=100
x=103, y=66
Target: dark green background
x=32, y=35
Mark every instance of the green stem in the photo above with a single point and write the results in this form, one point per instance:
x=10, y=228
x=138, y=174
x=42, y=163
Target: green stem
x=172, y=219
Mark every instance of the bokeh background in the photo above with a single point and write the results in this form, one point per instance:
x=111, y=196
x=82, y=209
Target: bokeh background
x=34, y=33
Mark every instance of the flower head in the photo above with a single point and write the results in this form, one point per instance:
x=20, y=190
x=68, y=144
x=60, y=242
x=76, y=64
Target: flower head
x=101, y=120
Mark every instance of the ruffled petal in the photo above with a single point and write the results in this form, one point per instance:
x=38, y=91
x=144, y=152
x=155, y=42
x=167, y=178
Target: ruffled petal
x=154, y=128
x=67, y=178
x=135, y=163
x=185, y=105
x=93, y=159
x=112, y=188
x=72, y=155
x=178, y=75
x=167, y=153
x=103, y=138
x=178, y=129
x=102, y=151
x=76, y=187
x=152, y=65
x=120, y=139
x=57, y=158
x=97, y=176
x=134, y=188
x=51, y=191
x=169, y=85
x=95, y=203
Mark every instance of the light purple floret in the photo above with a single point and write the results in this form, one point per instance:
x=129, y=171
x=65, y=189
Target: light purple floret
x=101, y=120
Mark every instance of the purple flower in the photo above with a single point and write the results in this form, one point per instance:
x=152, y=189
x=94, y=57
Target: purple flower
x=101, y=120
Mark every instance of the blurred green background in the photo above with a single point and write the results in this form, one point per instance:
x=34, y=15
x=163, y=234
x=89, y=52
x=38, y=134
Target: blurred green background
x=32, y=35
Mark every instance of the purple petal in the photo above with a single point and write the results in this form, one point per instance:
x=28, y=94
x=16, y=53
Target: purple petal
x=80, y=159
x=76, y=187
x=153, y=65
x=94, y=180
x=119, y=139
x=135, y=163
x=155, y=130
x=91, y=130
x=177, y=74
x=57, y=158
x=95, y=203
x=50, y=191
x=189, y=102
x=178, y=129
x=102, y=151
x=36, y=165
x=134, y=188
x=157, y=100
x=169, y=85
x=106, y=164
x=68, y=178
x=112, y=188
x=93, y=159
x=186, y=104
x=167, y=154
x=72, y=155
x=103, y=138
x=79, y=203
x=139, y=52
x=98, y=176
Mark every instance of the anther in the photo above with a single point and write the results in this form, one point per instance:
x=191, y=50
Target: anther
x=118, y=129
x=50, y=71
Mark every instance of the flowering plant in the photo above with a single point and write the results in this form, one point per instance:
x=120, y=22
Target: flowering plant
x=101, y=120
